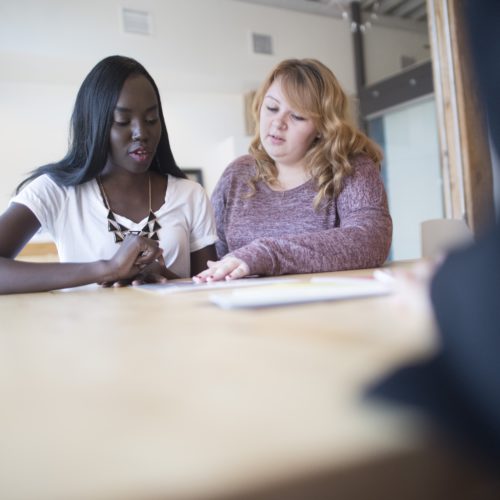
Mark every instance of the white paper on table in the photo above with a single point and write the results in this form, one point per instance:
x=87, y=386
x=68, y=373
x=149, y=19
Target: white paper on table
x=190, y=286
x=317, y=289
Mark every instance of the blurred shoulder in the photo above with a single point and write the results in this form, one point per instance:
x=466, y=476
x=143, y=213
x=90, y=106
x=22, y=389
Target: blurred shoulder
x=365, y=170
x=44, y=187
x=44, y=183
x=363, y=163
x=243, y=167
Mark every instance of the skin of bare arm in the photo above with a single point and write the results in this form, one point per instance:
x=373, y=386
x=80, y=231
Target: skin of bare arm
x=18, y=224
x=200, y=258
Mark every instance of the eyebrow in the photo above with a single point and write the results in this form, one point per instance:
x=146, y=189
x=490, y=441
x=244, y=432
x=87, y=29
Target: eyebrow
x=128, y=110
x=273, y=98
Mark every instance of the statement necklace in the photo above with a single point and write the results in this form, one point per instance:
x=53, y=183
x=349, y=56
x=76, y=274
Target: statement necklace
x=150, y=230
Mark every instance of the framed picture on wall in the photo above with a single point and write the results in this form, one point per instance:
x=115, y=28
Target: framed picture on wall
x=194, y=174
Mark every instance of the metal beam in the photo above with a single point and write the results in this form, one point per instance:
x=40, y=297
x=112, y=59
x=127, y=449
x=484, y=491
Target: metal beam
x=419, y=13
x=397, y=23
x=410, y=84
x=359, y=53
x=367, y=5
x=407, y=7
x=388, y=5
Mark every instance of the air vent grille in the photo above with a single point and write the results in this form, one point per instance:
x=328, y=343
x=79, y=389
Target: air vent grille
x=136, y=21
x=262, y=44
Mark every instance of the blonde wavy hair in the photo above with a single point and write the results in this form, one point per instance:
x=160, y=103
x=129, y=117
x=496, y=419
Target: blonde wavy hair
x=313, y=91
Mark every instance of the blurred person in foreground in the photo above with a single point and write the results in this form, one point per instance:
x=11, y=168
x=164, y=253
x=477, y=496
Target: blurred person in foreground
x=460, y=386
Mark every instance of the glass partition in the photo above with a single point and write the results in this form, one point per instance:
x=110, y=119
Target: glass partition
x=411, y=170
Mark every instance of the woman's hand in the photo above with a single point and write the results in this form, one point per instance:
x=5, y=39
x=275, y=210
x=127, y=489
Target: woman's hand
x=229, y=268
x=412, y=285
x=135, y=255
x=156, y=272
x=411, y=296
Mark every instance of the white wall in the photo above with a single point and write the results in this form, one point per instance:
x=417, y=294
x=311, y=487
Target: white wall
x=384, y=48
x=199, y=55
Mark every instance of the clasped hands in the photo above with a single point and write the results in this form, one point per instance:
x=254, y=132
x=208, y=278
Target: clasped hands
x=228, y=268
x=139, y=260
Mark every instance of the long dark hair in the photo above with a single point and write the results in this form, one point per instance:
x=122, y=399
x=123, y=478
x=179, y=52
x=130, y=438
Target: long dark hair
x=91, y=124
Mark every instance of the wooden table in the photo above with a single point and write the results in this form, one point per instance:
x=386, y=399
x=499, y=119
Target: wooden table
x=118, y=394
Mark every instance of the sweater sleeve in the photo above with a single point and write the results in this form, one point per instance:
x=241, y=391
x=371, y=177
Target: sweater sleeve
x=361, y=240
x=219, y=204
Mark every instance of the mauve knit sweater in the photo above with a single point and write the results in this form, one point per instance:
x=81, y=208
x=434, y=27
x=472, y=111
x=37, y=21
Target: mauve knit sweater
x=279, y=232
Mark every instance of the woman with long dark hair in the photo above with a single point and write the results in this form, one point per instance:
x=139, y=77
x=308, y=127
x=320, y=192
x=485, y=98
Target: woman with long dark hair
x=117, y=205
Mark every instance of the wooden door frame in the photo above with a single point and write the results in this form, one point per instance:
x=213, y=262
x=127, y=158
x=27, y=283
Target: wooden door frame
x=463, y=136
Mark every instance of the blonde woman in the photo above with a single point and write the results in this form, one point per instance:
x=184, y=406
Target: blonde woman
x=309, y=197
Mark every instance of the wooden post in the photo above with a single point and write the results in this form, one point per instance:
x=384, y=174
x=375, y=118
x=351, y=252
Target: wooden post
x=465, y=154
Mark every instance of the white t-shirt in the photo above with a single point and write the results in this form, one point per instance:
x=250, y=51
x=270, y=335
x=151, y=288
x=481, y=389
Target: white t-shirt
x=76, y=219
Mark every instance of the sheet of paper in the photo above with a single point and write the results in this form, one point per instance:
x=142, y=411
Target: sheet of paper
x=190, y=286
x=317, y=289
x=84, y=288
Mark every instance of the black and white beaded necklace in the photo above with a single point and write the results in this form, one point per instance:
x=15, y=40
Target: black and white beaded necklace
x=150, y=229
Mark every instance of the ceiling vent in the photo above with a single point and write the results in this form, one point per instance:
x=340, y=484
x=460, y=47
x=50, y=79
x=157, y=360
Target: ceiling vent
x=136, y=21
x=262, y=44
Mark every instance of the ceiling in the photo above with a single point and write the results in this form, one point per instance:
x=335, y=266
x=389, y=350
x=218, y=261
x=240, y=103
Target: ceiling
x=403, y=14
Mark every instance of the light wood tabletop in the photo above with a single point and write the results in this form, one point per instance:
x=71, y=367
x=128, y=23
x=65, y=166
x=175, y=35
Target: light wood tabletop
x=118, y=394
